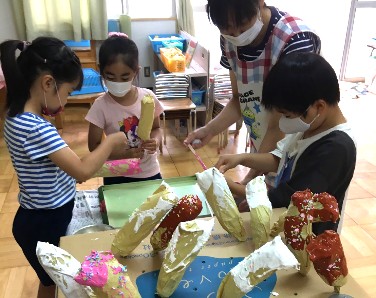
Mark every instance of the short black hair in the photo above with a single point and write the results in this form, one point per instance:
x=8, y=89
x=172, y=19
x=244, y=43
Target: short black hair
x=114, y=46
x=299, y=79
x=222, y=12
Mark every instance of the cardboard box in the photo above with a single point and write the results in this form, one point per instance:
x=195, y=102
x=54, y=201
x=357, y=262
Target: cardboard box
x=202, y=278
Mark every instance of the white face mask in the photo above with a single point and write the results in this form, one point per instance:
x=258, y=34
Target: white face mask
x=294, y=125
x=118, y=89
x=247, y=37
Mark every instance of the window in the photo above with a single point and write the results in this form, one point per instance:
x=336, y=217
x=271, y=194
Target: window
x=206, y=33
x=114, y=8
x=141, y=8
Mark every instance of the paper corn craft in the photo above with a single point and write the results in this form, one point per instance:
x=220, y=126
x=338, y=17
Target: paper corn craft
x=260, y=210
x=188, y=208
x=187, y=241
x=278, y=226
x=214, y=186
x=304, y=209
x=144, y=219
x=121, y=167
x=147, y=117
x=107, y=277
x=326, y=253
x=62, y=267
x=259, y=265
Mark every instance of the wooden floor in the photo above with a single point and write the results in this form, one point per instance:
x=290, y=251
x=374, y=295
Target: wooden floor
x=17, y=279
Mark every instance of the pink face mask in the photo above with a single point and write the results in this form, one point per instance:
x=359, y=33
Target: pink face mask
x=46, y=111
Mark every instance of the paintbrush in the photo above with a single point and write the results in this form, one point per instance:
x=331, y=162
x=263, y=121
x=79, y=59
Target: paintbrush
x=197, y=157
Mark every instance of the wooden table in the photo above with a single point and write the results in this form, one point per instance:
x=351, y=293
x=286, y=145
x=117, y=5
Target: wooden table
x=76, y=99
x=180, y=108
x=143, y=259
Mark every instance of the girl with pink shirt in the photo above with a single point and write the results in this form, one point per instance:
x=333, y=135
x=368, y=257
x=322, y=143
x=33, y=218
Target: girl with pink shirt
x=119, y=109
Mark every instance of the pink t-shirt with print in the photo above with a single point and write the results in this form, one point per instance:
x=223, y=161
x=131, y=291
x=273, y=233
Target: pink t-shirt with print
x=112, y=117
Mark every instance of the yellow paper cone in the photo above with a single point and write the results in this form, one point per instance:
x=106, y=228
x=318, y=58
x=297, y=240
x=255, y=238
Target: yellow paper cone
x=144, y=219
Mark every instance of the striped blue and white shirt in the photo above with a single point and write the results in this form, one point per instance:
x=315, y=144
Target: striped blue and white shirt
x=43, y=185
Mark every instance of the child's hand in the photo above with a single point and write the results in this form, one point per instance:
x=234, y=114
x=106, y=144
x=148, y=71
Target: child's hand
x=227, y=162
x=243, y=206
x=134, y=153
x=150, y=146
x=119, y=139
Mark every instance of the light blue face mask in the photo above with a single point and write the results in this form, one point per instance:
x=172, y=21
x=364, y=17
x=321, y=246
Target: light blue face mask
x=294, y=125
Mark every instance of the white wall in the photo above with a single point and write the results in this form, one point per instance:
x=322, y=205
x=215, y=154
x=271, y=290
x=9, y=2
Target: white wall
x=140, y=34
x=7, y=26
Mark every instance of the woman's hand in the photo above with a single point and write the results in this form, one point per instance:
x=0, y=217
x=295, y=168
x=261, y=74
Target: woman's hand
x=228, y=161
x=203, y=136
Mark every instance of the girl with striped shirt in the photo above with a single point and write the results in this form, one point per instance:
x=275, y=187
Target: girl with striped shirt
x=39, y=79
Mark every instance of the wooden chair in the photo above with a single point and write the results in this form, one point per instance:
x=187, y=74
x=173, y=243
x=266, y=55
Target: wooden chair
x=174, y=90
x=220, y=94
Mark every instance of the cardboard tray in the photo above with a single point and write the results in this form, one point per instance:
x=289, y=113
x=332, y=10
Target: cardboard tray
x=122, y=199
x=204, y=275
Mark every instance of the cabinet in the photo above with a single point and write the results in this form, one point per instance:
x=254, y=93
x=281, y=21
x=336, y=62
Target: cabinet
x=87, y=56
x=88, y=59
x=198, y=73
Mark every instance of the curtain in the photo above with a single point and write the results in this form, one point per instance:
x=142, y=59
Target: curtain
x=64, y=19
x=184, y=14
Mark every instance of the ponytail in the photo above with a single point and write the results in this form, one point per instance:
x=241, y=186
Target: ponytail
x=44, y=54
x=16, y=87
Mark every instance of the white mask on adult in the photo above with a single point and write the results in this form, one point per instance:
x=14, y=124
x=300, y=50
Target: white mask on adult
x=247, y=37
x=118, y=89
x=294, y=125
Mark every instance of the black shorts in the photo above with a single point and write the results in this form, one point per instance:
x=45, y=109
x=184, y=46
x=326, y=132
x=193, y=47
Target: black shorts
x=46, y=225
x=118, y=180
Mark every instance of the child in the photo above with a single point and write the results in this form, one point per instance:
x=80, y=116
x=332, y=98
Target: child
x=120, y=109
x=38, y=83
x=319, y=152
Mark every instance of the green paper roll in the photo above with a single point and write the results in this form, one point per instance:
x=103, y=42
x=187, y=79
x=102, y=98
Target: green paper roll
x=125, y=25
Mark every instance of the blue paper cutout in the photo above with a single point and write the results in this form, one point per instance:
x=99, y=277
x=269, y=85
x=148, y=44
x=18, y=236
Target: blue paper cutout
x=202, y=280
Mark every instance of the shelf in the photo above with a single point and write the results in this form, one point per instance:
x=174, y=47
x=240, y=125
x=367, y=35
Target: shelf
x=198, y=70
x=194, y=71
